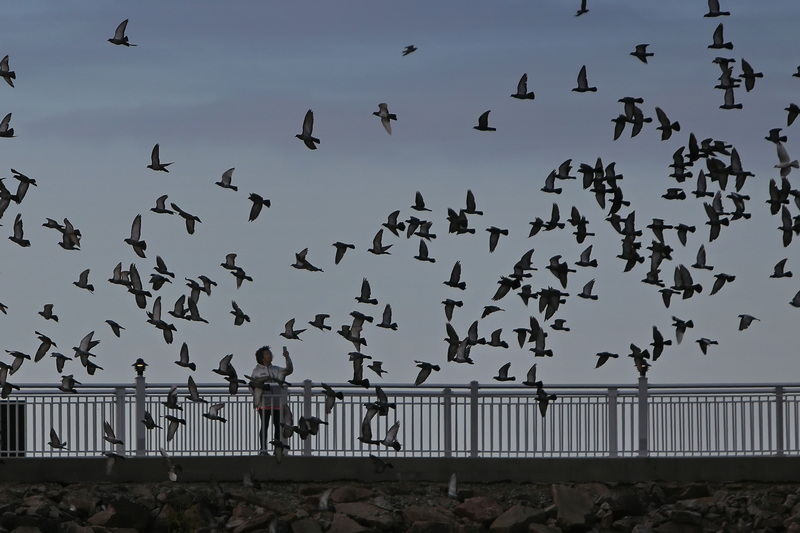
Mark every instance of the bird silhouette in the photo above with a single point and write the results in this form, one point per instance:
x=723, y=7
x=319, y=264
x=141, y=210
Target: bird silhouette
x=119, y=37
x=385, y=116
x=6, y=73
x=483, y=123
x=155, y=161
x=307, y=133
x=522, y=89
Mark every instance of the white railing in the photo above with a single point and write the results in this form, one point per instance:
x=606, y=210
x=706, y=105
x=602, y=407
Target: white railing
x=474, y=420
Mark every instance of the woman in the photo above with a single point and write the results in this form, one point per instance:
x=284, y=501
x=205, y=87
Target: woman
x=270, y=391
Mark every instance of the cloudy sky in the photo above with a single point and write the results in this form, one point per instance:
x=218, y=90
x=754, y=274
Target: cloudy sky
x=226, y=84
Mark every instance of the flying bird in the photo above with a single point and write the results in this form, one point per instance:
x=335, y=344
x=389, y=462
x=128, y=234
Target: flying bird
x=183, y=361
x=341, y=248
x=713, y=10
x=239, y=316
x=55, y=441
x=641, y=52
x=483, y=122
x=5, y=73
x=378, y=247
x=301, y=263
x=455, y=278
x=502, y=374
x=119, y=37
x=83, y=281
x=5, y=131
x=289, y=332
x=306, y=136
x=135, y=240
x=409, y=49
x=719, y=40
x=225, y=181
x=258, y=203
x=522, y=89
x=188, y=218
x=155, y=161
x=425, y=372
x=583, y=84
x=19, y=237
x=385, y=116
x=745, y=321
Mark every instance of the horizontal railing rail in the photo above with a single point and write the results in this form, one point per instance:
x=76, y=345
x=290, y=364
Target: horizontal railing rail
x=452, y=420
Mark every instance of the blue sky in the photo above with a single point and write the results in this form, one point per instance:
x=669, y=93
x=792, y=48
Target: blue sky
x=227, y=85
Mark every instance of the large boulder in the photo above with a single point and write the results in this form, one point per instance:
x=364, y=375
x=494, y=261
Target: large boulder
x=479, y=509
x=575, y=506
x=517, y=519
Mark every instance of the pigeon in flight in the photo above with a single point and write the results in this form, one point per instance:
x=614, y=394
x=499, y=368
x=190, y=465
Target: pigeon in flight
x=19, y=237
x=258, y=203
x=189, y=219
x=135, y=240
x=409, y=49
x=301, y=263
x=184, y=358
x=483, y=122
x=239, y=316
x=713, y=10
x=522, y=89
x=5, y=131
x=719, y=40
x=160, y=207
x=119, y=37
x=385, y=116
x=378, y=247
x=290, y=333
x=425, y=372
x=225, y=181
x=746, y=320
x=455, y=278
x=306, y=136
x=155, y=161
x=5, y=73
x=641, y=52
x=83, y=281
x=55, y=441
x=341, y=248
x=583, y=84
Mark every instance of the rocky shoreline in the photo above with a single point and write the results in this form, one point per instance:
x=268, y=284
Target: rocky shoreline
x=352, y=507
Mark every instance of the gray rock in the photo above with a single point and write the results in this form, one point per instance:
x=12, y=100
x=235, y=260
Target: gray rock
x=575, y=506
x=479, y=509
x=306, y=525
x=517, y=519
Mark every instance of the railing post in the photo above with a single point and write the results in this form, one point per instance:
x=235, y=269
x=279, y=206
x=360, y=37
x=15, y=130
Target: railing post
x=644, y=426
x=139, y=411
x=447, y=418
x=613, y=450
x=473, y=419
x=779, y=420
x=119, y=419
x=307, y=413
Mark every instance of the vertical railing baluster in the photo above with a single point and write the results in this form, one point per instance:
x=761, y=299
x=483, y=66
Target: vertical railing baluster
x=473, y=419
x=119, y=418
x=613, y=450
x=307, y=413
x=447, y=395
x=779, y=444
x=141, y=446
x=643, y=417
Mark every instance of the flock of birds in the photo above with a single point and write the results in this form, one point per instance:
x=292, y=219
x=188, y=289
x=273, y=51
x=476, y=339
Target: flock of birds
x=711, y=163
